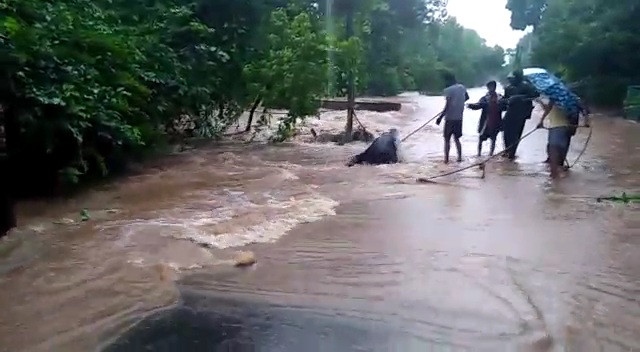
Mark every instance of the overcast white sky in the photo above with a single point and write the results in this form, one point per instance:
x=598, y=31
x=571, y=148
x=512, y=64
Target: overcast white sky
x=487, y=17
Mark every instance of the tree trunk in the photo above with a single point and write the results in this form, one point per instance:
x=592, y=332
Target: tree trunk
x=220, y=110
x=7, y=213
x=255, y=105
x=348, y=131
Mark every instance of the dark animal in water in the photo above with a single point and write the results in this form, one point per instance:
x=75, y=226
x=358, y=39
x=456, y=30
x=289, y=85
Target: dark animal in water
x=383, y=150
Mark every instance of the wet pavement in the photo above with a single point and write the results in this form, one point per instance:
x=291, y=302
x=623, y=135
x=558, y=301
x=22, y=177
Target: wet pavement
x=359, y=259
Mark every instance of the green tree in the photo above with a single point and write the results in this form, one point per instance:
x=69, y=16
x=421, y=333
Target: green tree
x=525, y=13
x=592, y=43
x=291, y=72
x=87, y=84
x=473, y=65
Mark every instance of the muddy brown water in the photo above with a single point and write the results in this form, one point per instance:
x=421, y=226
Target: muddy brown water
x=348, y=259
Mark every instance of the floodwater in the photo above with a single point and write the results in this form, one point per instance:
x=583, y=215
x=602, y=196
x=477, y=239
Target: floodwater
x=358, y=259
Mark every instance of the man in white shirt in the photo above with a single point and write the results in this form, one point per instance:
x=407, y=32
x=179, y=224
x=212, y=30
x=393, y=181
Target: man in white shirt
x=456, y=95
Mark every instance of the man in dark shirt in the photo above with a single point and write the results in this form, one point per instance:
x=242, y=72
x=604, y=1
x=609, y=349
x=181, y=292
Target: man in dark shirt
x=518, y=96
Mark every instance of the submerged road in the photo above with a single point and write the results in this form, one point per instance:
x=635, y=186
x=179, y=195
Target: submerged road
x=359, y=259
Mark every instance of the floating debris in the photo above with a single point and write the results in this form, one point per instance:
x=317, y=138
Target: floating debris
x=244, y=258
x=84, y=215
x=625, y=198
x=64, y=221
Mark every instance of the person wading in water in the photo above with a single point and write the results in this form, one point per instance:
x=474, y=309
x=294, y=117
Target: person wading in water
x=519, y=96
x=583, y=110
x=491, y=118
x=456, y=95
x=559, y=134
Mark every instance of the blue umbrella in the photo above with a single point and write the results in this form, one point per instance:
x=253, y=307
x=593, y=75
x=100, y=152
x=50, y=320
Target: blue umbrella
x=553, y=87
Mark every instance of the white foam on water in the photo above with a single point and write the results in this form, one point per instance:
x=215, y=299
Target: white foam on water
x=401, y=151
x=288, y=175
x=146, y=248
x=288, y=214
x=334, y=121
x=237, y=223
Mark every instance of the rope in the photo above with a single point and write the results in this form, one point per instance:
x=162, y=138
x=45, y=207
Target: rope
x=479, y=163
x=421, y=127
x=482, y=163
x=584, y=149
x=358, y=121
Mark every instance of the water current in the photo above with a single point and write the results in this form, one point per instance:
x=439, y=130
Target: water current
x=349, y=259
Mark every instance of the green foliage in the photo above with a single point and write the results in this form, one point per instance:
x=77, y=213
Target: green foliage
x=624, y=198
x=476, y=63
x=291, y=73
x=348, y=57
x=91, y=78
x=408, y=44
x=591, y=43
x=525, y=13
x=87, y=84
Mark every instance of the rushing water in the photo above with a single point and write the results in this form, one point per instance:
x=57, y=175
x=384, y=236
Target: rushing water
x=358, y=259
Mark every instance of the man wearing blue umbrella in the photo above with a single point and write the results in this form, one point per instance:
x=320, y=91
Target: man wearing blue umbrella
x=559, y=136
x=583, y=110
x=563, y=108
x=518, y=96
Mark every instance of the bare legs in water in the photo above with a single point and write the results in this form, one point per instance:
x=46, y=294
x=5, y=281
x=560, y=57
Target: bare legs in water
x=492, y=147
x=447, y=148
